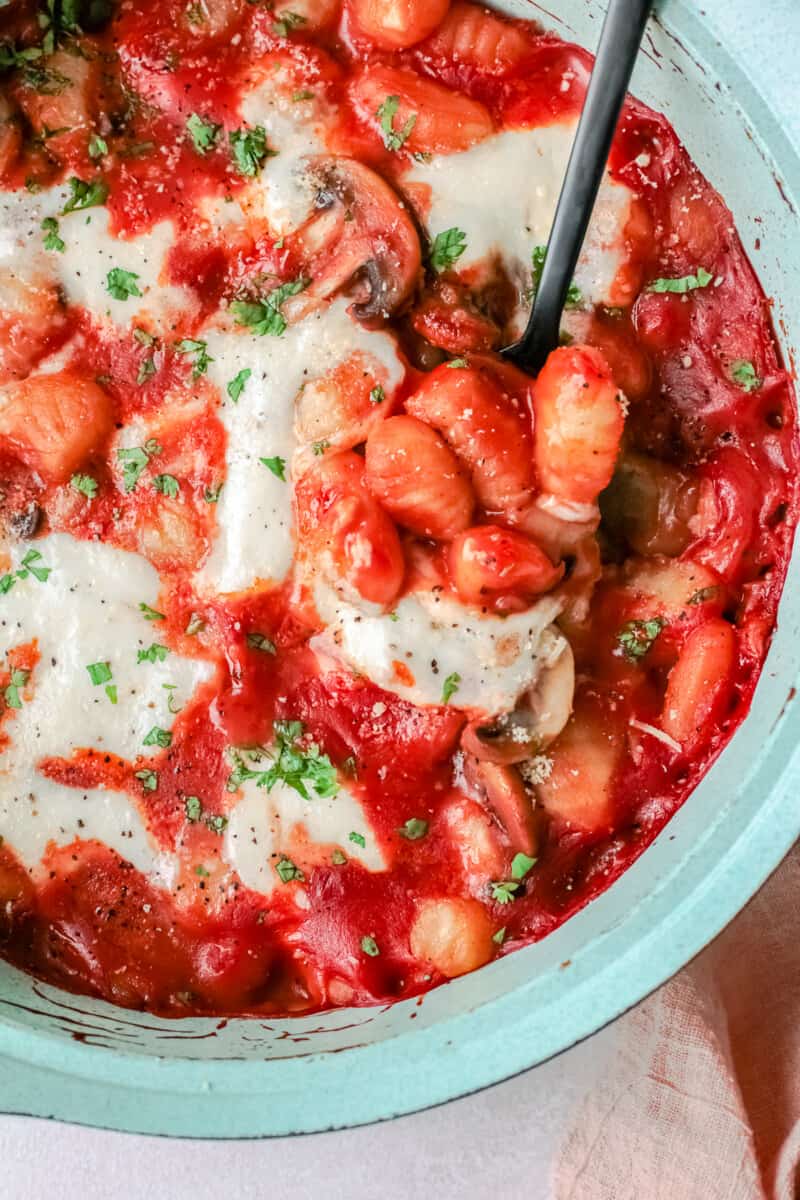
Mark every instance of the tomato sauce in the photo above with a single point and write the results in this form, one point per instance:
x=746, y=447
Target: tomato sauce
x=93, y=923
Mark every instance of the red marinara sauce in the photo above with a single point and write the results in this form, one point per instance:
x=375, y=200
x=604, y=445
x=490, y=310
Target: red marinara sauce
x=669, y=604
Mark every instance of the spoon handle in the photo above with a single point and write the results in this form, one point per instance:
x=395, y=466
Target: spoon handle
x=616, y=54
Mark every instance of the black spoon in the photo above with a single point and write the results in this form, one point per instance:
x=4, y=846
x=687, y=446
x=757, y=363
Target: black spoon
x=616, y=54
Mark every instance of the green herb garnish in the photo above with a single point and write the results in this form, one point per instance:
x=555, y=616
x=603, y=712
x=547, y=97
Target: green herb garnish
x=264, y=316
x=85, y=485
x=235, y=386
x=85, y=195
x=636, y=637
x=394, y=139
x=121, y=285
x=686, y=283
x=158, y=737
x=447, y=248
x=203, y=133
x=134, y=460
x=52, y=240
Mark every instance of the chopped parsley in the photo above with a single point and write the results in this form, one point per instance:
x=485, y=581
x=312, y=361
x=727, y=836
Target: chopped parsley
x=249, y=149
x=31, y=565
x=193, y=808
x=457, y=364
x=370, y=946
x=52, y=240
x=521, y=864
x=636, y=637
x=153, y=654
x=319, y=448
x=539, y=254
x=121, y=285
x=148, y=779
x=169, y=688
x=85, y=485
x=742, y=372
x=235, y=386
x=450, y=687
x=686, y=283
x=288, y=21
x=377, y=395
x=299, y=766
x=166, y=485
x=338, y=859
x=203, y=133
x=287, y=871
x=134, y=460
x=199, y=351
x=277, y=465
x=19, y=678
x=216, y=822
x=504, y=892
x=499, y=937
x=394, y=139
x=413, y=829
x=158, y=737
x=202, y=871
x=358, y=839
x=212, y=495
x=149, y=613
x=100, y=673
x=18, y=59
x=305, y=94
x=264, y=316
x=97, y=146
x=447, y=248
x=143, y=337
x=257, y=641
x=85, y=195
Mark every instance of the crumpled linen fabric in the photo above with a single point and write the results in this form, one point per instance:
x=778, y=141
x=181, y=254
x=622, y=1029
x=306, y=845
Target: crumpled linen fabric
x=701, y=1097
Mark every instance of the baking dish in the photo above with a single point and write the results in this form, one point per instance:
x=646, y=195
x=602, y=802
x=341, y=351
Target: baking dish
x=81, y=1060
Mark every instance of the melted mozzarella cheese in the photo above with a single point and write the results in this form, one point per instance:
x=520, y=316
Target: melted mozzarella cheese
x=502, y=193
x=86, y=612
x=254, y=513
x=90, y=251
x=284, y=192
x=266, y=825
x=433, y=636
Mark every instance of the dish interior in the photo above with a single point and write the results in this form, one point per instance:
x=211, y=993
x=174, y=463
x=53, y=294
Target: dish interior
x=717, y=814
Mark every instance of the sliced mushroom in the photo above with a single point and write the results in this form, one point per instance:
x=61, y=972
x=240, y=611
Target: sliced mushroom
x=536, y=722
x=24, y=523
x=503, y=791
x=361, y=237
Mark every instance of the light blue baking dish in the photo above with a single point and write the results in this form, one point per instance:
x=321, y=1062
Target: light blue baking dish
x=84, y=1061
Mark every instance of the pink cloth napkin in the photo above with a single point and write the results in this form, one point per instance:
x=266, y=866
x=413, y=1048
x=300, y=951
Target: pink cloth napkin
x=701, y=1099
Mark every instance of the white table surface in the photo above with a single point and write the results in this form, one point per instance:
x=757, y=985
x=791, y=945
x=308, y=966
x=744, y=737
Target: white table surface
x=498, y=1142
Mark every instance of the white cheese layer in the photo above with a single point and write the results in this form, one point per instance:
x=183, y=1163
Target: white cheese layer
x=86, y=612
x=90, y=251
x=434, y=637
x=254, y=512
x=283, y=193
x=502, y=193
x=266, y=825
